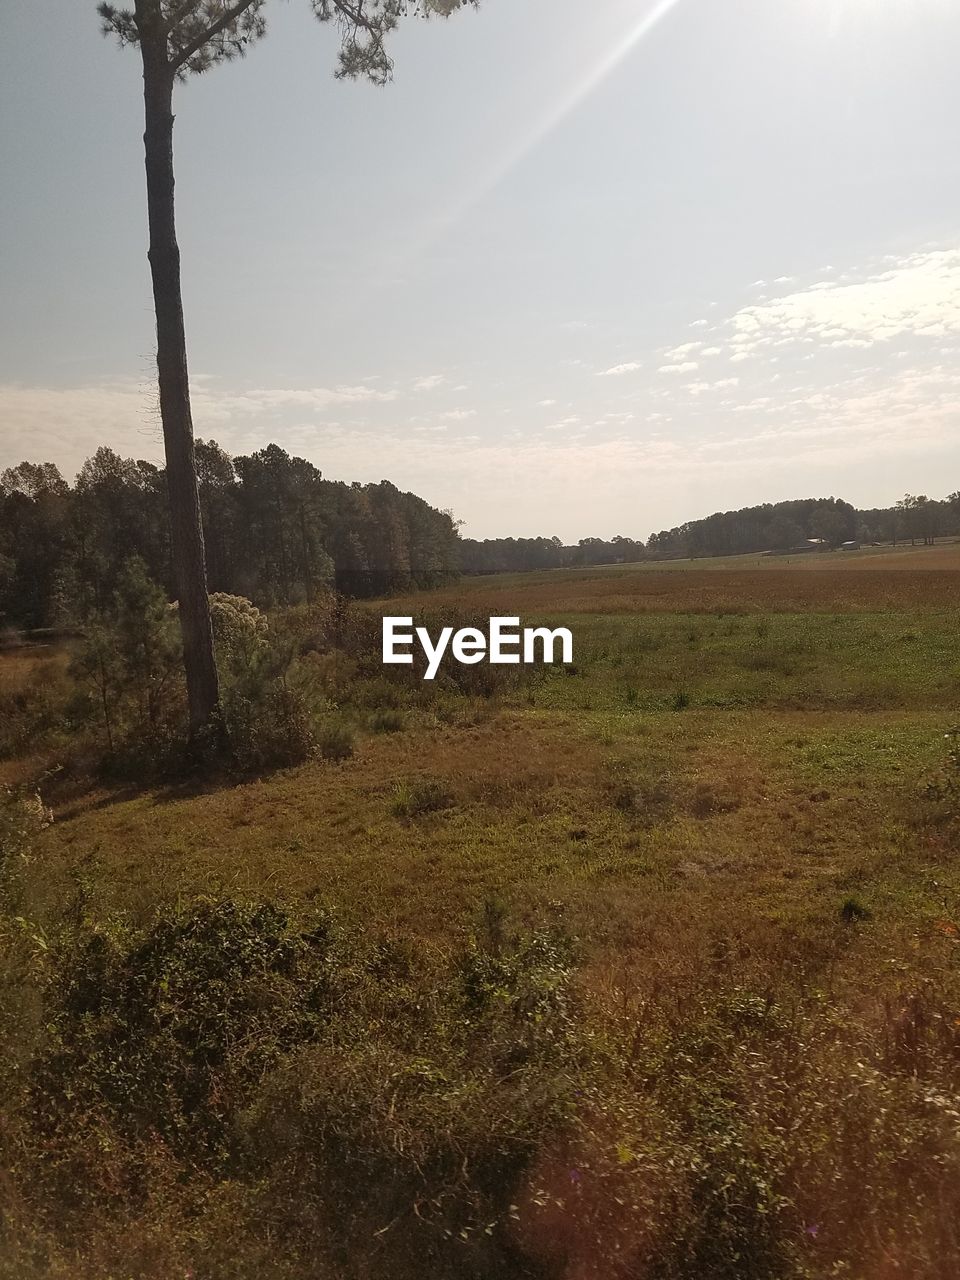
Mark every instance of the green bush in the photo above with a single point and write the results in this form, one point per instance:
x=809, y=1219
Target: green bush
x=392, y=1111
x=165, y=1036
x=368, y=1102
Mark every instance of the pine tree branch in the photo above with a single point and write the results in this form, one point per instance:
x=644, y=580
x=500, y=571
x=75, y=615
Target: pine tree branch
x=228, y=17
x=355, y=15
x=179, y=15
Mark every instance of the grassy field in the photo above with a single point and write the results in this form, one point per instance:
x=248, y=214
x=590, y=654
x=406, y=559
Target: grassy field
x=753, y=687
x=724, y=798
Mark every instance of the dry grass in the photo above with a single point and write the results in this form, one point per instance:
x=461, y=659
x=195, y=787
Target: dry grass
x=629, y=590
x=656, y=840
x=767, y=925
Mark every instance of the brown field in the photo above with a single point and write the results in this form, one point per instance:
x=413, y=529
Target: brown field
x=693, y=590
x=737, y=806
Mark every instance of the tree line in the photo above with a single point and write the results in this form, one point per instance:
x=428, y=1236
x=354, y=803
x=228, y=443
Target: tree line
x=278, y=533
x=781, y=526
x=275, y=532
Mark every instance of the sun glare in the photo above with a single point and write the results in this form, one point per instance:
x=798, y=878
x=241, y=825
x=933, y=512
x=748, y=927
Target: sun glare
x=554, y=114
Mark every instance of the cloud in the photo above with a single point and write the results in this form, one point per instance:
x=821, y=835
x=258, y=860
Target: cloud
x=458, y=415
x=429, y=382
x=917, y=296
x=67, y=424
x=545, y=404
x=681, y=352
x=259, y=399
x=701, y=388
x=619, y=369
x=687, y=366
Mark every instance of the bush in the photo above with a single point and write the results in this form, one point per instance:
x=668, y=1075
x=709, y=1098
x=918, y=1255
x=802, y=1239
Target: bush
x=271, y=727
x=367, y=1103
x=406, y=1142
x=166, y=1035
x=335, y=740
x=391, y=1111
x=239, y=633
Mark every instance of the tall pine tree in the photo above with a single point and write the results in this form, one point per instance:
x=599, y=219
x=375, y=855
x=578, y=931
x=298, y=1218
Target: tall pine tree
x=177, y=39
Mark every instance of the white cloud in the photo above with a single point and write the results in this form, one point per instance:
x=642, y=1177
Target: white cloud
x=66, y=425
x=688, y=366
x=918, y=295
x=681, y=352
x=545, y=404
x=429, y=382
x=701, y=388
x=458, y=415
x=619, y=369
x=259, y=399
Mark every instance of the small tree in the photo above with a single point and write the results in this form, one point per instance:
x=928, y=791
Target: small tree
x=176, y=39
x=129, y=655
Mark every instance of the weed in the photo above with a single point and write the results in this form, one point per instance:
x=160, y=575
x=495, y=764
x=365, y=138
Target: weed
x=418, y=796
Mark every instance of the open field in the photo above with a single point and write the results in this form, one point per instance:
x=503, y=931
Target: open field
x=697, y=768
x=725, y=798
x=876, y=579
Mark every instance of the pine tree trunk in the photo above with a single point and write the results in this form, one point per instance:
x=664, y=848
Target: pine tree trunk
x=203, y=691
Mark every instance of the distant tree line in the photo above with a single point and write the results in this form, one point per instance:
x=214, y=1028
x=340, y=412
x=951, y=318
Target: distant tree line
x=777, y=526
x=781, y=526
x=511, y=555
x=276, y=532
x=784, y=526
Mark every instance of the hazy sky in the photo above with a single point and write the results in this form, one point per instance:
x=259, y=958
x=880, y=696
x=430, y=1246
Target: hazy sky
x=586, y=267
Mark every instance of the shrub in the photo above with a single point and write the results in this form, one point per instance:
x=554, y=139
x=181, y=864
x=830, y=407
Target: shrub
x=370, y=1105
x=271, y=728
x=239, y=632
x=335, y=740
x=166, y=1034
x=406, y=1141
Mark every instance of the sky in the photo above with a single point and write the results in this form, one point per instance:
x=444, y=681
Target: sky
x=584, y=268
